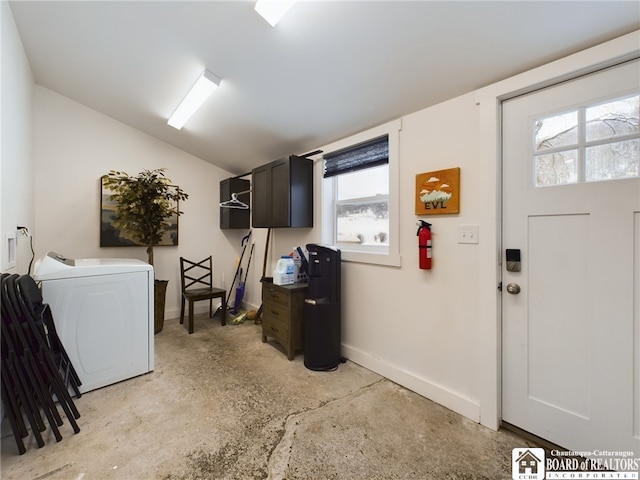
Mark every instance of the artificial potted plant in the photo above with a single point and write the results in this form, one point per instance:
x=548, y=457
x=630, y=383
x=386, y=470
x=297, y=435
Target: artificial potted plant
x=144, y=205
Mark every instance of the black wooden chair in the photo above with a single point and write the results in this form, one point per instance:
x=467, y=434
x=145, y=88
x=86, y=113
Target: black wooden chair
x=197, y=284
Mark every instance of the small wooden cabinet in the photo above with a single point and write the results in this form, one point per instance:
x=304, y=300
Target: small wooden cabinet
x=282, y=193
x=235, y=217
x=282, y=312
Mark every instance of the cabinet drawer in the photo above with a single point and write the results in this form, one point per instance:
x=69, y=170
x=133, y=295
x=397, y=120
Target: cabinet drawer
x=276, y=312
x=275, y=328
x=276, y=297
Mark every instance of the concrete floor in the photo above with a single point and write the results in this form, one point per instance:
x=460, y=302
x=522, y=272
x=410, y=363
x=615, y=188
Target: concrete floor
x=223, y=405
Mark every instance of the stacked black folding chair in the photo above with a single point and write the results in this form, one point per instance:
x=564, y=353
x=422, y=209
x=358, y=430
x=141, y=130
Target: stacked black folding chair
x=32, y=302
x=34, y=364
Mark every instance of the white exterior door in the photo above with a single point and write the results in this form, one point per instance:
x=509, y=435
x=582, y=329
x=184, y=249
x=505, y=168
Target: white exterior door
x=571, y=205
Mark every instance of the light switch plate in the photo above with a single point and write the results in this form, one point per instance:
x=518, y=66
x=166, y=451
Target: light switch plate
x=468, y=234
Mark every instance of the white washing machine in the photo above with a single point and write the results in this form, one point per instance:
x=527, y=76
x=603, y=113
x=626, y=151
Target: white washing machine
x=103, y=313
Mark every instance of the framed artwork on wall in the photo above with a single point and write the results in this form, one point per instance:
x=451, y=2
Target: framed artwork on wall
x=438, y=192
x=111, y=236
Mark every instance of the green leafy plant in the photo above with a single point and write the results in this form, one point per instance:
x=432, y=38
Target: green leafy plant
x=144, y=204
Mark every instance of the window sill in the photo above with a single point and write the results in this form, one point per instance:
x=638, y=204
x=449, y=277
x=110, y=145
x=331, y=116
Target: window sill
x=372, y=258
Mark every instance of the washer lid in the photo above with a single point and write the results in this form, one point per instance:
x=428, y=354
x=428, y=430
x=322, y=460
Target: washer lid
x=54, y=266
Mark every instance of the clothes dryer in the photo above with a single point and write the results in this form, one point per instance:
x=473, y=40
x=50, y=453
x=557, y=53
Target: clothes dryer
x=103, y=313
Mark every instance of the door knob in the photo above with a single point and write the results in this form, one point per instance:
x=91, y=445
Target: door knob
x=513, y=288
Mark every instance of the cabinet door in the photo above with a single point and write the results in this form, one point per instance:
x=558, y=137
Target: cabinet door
x=225, y=194
x=283, y=193
x=260, y=189
x=301, y=192
x=233, y=217
x=280, y=194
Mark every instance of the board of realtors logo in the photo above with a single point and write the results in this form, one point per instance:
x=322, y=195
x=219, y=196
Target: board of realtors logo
x=527, y=463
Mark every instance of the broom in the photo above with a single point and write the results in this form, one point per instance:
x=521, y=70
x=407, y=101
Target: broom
x=238, y=268
x=241, y=284
x=255, y=314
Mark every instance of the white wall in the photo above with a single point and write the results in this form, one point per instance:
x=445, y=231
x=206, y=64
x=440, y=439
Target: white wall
x=74, y=146
x=16, y=165
x=438, y=332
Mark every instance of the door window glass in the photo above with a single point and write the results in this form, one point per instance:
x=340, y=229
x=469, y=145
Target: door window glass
x=612, y=160
x=613, y=119
x=595, y=142
x=557, y=168
x=556, y=131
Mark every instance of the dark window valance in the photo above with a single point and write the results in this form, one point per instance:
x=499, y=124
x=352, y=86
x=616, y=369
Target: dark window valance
x=357, y=157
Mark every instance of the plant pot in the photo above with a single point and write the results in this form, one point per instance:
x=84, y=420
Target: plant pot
x=160, y=293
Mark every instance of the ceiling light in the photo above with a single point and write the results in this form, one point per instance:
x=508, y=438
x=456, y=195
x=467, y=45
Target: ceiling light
x=273, y=10
x=200, y=91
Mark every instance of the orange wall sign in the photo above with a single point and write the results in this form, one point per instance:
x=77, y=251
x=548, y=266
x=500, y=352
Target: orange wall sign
x=438, y=192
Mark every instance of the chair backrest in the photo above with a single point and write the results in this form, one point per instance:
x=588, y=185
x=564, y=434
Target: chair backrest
x=196, y=274
x=30, y=293
x=9, y=299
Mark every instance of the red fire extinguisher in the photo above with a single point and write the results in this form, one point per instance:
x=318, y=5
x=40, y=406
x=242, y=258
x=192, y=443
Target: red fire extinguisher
x=424, y=245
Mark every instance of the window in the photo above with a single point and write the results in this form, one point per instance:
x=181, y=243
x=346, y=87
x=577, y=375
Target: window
x=359, y=198
x=361, y=195
x=589, y=144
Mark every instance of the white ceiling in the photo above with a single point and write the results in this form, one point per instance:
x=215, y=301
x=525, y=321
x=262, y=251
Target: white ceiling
x=329, y=69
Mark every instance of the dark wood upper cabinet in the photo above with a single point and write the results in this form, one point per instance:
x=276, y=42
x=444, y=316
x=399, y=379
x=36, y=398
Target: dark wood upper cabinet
x=234, y=217
x=282, y=193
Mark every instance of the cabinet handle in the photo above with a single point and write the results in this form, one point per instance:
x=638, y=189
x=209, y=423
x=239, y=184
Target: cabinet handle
x=275, y=313
x=274, y=328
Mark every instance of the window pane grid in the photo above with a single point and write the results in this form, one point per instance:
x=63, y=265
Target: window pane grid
x=592, y=143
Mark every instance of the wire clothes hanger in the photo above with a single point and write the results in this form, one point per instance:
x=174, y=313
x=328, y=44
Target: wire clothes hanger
x=235, y=203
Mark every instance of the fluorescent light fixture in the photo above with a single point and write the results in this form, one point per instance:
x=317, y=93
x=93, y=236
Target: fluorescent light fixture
x=273, y=10
x=200, y=91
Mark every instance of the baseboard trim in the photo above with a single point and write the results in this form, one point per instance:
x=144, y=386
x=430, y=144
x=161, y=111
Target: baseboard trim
x=437, y=393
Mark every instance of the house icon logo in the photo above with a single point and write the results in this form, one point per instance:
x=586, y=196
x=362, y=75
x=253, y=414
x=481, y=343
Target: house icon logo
x=527, y=463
